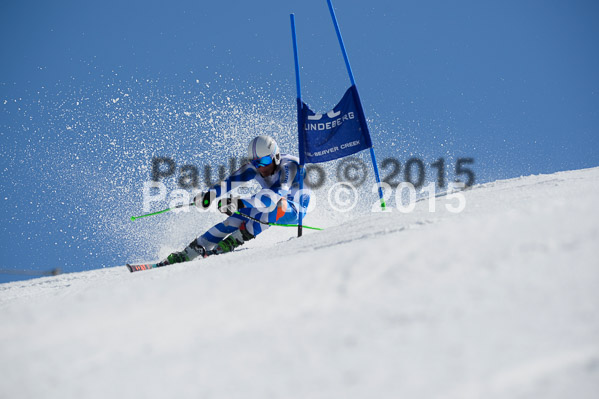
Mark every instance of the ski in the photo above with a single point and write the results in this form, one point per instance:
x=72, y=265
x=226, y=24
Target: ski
x=227, y=245
x=147, y=266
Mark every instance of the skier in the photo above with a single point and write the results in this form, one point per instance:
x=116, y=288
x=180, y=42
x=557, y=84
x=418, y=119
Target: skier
x=279, y=201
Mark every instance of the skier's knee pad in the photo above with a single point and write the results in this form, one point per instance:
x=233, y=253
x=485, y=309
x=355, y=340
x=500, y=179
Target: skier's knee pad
x=281, y=208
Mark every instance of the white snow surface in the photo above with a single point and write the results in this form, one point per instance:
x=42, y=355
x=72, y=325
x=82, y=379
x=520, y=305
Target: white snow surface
x=498, y=301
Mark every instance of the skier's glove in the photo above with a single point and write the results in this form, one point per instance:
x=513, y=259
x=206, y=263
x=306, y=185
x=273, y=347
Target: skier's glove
x=230, y=205
x=203, y=200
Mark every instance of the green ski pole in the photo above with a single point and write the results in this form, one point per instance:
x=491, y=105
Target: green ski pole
x=240, y=214
x=162, y=211
x=277, y=224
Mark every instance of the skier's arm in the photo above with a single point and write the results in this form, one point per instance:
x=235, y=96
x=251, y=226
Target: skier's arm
x=244, y=174
x=288, y=177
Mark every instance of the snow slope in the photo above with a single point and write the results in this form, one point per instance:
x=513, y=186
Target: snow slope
x=499, y=301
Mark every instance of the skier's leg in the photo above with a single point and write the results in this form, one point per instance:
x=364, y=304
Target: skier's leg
x=285, y=212
x=210, y=239
x=205, y=244
x=236, y=229
x=258, y=207
x=236, y=239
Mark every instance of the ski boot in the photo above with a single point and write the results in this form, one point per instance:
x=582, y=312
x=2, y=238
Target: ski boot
x=236, y=239
x=192, y=251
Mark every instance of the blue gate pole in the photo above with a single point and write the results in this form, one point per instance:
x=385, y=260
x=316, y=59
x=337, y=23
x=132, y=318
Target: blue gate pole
x=353, y=82
x=299, y=128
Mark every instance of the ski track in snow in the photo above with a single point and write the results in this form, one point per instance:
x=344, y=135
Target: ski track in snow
x=499, y=301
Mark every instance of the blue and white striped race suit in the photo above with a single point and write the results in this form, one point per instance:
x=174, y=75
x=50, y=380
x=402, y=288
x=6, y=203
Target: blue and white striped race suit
x=279, y=200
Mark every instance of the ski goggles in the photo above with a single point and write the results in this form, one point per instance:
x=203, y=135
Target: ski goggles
x=262, y=162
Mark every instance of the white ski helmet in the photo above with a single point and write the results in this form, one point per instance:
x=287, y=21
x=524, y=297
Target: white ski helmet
x=264, y=146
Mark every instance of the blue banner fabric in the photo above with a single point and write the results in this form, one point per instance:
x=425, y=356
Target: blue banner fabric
x=338, y=133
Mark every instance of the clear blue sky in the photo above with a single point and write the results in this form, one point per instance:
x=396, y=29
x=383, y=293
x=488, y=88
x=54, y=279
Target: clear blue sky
x=90, y=91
